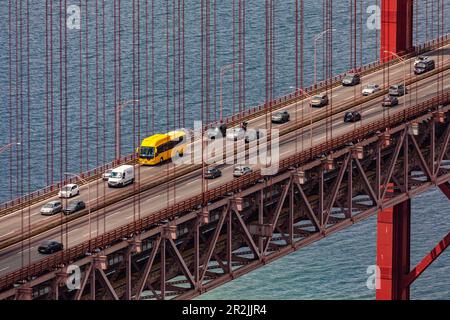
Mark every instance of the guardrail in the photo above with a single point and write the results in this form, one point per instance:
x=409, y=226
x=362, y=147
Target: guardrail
x=44, y=226
x=248, y=114
x=195, y=202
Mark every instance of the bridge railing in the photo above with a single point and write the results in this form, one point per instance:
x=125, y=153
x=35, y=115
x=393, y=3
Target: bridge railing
x=41, y=194
x=109, y=238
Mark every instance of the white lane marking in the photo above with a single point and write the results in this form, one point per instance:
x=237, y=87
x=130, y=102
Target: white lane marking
x=28, y=249
x=5, y=235
x=6, y=268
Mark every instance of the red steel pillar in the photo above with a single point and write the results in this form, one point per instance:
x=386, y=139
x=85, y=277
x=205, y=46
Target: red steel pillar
x=393, y=251
x=396, y=27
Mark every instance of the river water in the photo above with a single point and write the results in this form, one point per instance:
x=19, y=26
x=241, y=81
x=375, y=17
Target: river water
x=333, y=268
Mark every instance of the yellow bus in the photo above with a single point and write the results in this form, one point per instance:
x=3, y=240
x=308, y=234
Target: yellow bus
x=160, y=147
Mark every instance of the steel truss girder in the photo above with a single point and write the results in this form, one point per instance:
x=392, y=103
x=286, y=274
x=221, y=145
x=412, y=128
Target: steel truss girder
x=299, y=217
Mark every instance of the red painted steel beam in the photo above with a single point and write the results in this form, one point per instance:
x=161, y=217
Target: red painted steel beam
x=396, y=27
x=445, y=188
x=393, y=251
x=427, y=261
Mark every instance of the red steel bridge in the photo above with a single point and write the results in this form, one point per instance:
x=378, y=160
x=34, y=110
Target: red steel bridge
x=172, y=234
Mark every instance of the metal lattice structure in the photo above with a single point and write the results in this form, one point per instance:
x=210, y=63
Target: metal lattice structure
x=267, y=218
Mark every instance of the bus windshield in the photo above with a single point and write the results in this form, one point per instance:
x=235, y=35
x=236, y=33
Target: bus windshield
x=147, y=152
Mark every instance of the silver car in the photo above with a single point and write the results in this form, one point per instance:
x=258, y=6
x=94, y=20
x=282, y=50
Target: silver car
x=370, y=89
x=240, y=171
x=51, y=208
x=398, y=90
x=107, y=174
x=235, y=134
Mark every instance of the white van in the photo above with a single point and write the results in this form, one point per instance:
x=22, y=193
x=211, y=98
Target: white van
x=121, y=176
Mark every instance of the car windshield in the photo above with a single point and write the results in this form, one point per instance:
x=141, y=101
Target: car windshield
x=236, y=131
x=421, y=65
x=66, y=188
x=116, y=174
x=146, y=152
x=317, y=98
x=48, y=205
x=349, y=77
x=278, y=114
x=371, y=86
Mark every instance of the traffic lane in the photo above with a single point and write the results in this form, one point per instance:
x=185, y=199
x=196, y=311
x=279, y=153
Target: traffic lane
x=73, y=232
x=99, y=191
x=13, y=223
x=342, y=95
x=371, y=113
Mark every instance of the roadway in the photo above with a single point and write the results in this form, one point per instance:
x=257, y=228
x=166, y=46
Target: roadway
x=160, y=197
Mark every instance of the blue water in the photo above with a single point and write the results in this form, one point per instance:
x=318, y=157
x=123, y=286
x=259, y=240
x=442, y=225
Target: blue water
x=333, y=268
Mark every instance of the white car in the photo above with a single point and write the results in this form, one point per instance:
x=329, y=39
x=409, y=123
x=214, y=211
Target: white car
x=370, y=89
x=107, y=174
x=241, y=171
x=235, y=134
x=69, y=191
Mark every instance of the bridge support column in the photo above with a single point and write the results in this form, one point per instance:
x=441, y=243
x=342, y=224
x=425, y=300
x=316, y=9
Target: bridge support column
x=396, y=27
x=393, y=251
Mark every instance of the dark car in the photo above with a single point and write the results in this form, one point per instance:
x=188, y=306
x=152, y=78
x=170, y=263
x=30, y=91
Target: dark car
x=351, y=79
x=424, y=66
x=390, y=101
x=398, y=90
x=213, y=173
x=281, y=117
x=352, y=116
x=216, y=132
x=50, y=246
x=252, y=135
x=74, y=206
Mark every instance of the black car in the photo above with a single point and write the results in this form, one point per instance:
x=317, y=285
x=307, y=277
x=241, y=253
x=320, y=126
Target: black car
x=252, y=135
x=424, y=66
x=50, y=246
x=351, y=79
x=352, y=116
x=281, y=117
x=217, y=131
x=213, y=173
x=390, y=101
x=74, y=206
